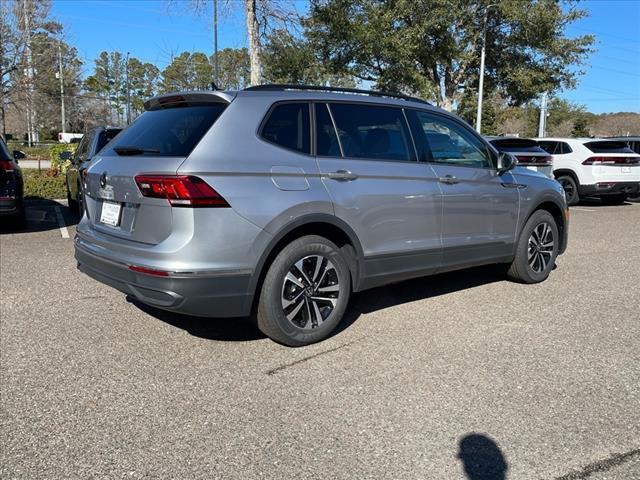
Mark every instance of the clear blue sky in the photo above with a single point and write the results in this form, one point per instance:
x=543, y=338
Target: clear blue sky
x=154, y=30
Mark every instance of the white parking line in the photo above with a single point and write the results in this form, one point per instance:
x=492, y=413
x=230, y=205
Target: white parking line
x=63, y=228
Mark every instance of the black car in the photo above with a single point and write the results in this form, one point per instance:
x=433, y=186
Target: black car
x=634, y=144
x=91, y=143
x=11, y=184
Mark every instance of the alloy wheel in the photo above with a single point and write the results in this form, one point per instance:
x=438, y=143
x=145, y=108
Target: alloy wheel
x=310, y=291
x=540, y=247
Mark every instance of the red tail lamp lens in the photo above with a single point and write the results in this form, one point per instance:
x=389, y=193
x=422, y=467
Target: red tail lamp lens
x=181, y=190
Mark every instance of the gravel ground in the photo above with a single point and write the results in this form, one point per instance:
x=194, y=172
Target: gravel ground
x=450, y=377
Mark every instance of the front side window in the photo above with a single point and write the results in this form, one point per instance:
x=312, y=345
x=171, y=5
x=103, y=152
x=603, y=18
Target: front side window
x=451, y=143
x=372, y=132
x=288, y=126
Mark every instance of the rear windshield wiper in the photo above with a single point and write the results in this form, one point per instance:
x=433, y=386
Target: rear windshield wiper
x=134, y=150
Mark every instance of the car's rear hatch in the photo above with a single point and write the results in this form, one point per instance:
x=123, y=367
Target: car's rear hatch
x=156, y=144
x=527, y=151
x=613, y=161
x=8, y=174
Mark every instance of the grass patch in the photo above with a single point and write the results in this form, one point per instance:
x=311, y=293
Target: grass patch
x=44, y=184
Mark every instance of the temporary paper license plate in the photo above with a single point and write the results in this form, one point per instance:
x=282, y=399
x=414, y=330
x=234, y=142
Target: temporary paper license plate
x=110, y=213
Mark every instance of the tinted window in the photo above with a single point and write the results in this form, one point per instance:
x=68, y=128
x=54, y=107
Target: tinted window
x=83, y=148
x=4, y=151
x=372, y=132
x=565, y=148
x=105, y=137
x=549, y=147
x=288, y=126
x=516, y=145
x=608, y=147
x=170, y=131
x=326, y=138
x=451, y=143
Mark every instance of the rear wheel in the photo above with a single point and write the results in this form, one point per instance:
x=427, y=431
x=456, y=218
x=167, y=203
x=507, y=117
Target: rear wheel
x=537, y=249
x=305, y=292
x=634, y=198
x=613, y=199
x=570, y=187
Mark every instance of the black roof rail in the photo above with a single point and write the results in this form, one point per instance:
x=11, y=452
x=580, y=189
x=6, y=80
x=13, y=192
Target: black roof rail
x=318, y=88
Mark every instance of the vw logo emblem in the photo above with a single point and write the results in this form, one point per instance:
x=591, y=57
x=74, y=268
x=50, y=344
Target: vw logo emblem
x=103, y=179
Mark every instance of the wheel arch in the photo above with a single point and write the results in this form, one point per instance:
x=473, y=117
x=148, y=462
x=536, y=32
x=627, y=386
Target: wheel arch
x=324, y=225
x=566, y=171
x=557, y=212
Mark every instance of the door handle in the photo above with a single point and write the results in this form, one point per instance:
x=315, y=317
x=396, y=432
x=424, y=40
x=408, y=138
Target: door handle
x=449, y=180
x=342, y=176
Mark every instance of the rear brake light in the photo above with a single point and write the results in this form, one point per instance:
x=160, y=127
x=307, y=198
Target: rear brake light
x=611, y=161
x=6, y=166
x=180, y=190
x=535, y=161
x=148, y=271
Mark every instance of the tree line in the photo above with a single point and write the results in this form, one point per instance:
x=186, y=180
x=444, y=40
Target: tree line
x=428, y=48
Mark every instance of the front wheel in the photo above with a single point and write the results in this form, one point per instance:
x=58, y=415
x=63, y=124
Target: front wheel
x=537, y=249
x=305, y=292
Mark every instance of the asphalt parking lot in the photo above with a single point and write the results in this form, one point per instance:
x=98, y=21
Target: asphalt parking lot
x=423, y=379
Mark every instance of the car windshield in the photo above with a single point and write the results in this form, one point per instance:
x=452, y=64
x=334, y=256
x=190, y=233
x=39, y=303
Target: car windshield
x=167, y=132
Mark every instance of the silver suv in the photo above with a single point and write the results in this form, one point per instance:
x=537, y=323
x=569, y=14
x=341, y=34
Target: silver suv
x=279, y=201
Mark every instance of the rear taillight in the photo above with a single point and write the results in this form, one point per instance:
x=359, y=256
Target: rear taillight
x=535, y=161
x=611, y=161
x=6, y=166
x=180, y=190
x=149, y=271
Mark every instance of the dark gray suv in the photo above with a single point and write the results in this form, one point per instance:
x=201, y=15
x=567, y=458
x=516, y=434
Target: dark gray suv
x=280, y=201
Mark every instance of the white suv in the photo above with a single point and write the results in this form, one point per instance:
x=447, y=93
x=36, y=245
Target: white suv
x=589, y=167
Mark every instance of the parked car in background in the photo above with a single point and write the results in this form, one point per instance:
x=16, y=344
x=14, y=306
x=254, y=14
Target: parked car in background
x=11, y=185
x=282, y=201
x=634, y=144
x=527, y=151
x=90, y=144
x=64, y=137
x=590, y=167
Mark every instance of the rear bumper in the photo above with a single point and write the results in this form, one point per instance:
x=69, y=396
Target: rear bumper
x=205, y=294
x=609, y=188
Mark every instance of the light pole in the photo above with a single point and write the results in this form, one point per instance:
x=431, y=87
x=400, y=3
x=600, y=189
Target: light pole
x=215, y=43
x=62, y=110
x=481, y=79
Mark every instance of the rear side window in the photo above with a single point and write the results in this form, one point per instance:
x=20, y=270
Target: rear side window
x=288, y=126
x=373, y=132
x=608, y=147
x=105, y=137
x=549, y=147
x=564, y=148
x=172, y=131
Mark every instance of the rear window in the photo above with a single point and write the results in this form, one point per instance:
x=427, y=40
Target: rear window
x=516, y=145
x=288, y=125
x=169, y=132
x=105, y=137
x=608, y=147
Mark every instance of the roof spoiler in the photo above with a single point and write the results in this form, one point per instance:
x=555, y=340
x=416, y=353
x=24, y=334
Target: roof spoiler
x=187, y=98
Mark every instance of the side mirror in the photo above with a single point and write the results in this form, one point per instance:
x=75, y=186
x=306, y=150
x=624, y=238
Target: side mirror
x=65, y=155
x=18, y=155
x=506, y=162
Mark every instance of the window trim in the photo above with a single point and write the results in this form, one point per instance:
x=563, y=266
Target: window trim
x=413, y=154
x=493, y=151
x=267, y=115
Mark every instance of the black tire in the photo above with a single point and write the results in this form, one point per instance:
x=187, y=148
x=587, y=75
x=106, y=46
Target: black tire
x=634, y=198
x=524, y=268
x=71, y=203
x=303, y=327
x=570, y=187
x=613, y=199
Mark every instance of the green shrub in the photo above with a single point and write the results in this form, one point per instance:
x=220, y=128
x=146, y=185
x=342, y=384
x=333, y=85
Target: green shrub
x=57, y=163
x=49, y=184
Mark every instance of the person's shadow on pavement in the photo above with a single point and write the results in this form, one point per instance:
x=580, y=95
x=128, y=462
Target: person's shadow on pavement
x=482, y=458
